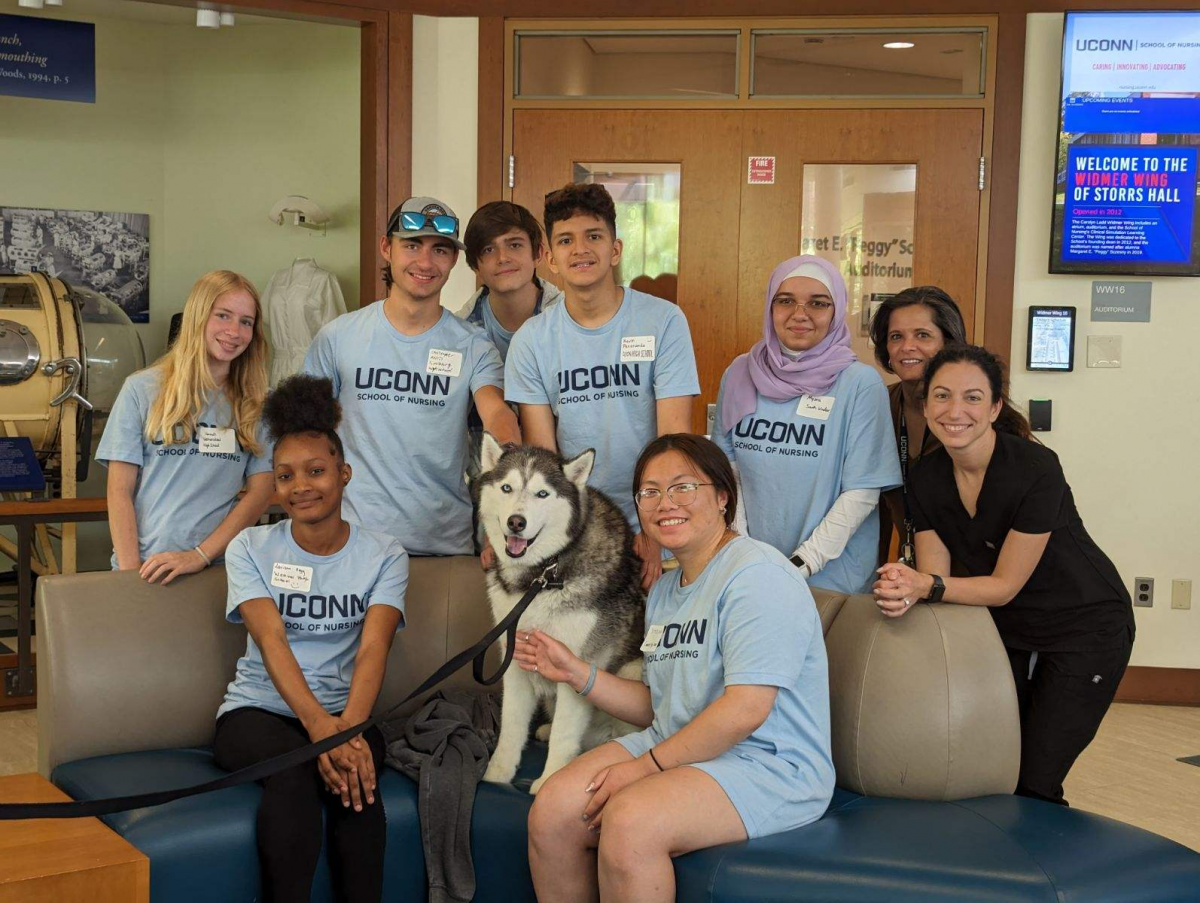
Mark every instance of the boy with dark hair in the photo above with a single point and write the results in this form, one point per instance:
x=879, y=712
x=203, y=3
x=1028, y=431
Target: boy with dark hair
x=610, y=368
x=406, y=371
x=504, y=246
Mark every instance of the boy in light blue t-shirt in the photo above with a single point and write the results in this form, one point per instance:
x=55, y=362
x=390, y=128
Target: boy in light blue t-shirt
x=610, y=368
x=406, y=372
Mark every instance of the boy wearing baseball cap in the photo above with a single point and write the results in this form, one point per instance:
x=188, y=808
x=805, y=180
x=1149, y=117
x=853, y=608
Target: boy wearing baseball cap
x=405, y=371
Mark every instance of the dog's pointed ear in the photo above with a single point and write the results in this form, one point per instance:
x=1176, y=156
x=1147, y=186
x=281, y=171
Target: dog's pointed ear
x=489, y=454
x=579, y=468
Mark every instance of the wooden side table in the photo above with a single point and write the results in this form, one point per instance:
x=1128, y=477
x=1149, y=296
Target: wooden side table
x=63, y=860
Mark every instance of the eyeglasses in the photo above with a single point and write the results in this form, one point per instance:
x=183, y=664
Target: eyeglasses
x=414, y=221
x=682, y=494
x=812, y=305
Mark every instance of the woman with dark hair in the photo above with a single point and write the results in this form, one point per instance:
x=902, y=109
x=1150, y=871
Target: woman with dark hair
x=321, y=599
x=806, y=425
x=734, y=701
x=907, y=331
x=996, y=504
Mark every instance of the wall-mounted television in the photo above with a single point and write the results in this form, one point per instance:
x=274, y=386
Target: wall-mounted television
x=1125, y=187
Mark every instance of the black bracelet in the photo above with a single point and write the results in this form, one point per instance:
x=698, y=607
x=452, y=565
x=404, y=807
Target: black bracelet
x=654, y=758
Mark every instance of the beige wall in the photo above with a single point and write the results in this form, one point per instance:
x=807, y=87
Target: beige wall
x=205, y=131
x=445, y=126
x=1126, y=437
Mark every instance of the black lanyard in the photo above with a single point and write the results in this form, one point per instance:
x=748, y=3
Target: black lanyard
x=264, y=769
x=908, y=552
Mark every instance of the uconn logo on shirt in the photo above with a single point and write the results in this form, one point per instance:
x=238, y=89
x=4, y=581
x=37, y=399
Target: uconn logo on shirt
x=601, y=381
x=322, y=611
x=777, y=437
x=680, y=641
x=406, y=385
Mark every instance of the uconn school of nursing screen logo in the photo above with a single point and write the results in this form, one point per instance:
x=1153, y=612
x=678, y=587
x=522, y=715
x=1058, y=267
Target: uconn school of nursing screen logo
x=426, y=389
x=323, y=613
x=778, y=437
x=680, y=641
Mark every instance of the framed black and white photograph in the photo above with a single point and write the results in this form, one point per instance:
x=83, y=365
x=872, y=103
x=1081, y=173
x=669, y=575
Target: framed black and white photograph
x=106, y=252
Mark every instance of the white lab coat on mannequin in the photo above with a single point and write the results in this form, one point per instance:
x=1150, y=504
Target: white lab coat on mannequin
x=298, y=301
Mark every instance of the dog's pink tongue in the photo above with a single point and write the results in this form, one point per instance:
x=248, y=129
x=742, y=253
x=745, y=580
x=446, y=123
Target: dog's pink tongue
x=516, y=545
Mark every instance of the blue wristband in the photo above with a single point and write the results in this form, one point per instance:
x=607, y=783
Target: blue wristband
x=591, y=682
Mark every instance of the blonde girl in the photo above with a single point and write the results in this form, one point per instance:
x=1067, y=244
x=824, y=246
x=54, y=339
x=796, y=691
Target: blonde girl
x=184, y=438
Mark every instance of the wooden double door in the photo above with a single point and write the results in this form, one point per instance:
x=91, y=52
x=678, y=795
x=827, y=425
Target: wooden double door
x=731, y=233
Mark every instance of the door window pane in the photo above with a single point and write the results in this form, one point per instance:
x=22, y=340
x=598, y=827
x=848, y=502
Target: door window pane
x=647, y=201
x=860, y=218
x=684, y=65
x=935, y=63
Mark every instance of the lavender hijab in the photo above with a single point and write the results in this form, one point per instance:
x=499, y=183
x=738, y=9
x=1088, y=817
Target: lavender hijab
x=766, y=371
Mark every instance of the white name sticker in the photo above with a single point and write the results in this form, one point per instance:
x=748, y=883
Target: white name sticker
x=653, y=637
x=636, y=348
x=291, y=576
x=818, y=407
x=216, y=441
x=444, y=363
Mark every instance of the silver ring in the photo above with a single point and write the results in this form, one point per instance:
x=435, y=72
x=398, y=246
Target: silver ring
x=535, y=667
x=907, y=602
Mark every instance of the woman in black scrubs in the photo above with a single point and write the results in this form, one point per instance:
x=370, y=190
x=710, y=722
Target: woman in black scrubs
x=907, y=331
x=994, y=505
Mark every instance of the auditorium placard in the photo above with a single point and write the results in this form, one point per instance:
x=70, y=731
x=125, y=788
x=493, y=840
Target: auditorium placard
x=1125, y=192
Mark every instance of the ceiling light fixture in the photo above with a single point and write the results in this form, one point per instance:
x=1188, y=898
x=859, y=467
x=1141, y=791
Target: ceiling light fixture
x=899, y=45
x=227, y=20
x=31, y=4
x=208, y=18
x=54, y=2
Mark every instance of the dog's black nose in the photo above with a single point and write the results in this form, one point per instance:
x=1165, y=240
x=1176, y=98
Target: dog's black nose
x=516, y=523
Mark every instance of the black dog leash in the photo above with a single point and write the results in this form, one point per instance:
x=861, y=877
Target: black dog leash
x=268, y=767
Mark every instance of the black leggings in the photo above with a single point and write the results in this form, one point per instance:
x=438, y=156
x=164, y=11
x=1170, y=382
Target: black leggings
x=1062, y=704
x=289, y=816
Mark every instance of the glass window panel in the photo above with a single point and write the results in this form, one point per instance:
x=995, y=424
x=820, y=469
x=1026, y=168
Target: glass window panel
x=647, y=201
x=627, y=64
x=858, y=64
x=860, y=217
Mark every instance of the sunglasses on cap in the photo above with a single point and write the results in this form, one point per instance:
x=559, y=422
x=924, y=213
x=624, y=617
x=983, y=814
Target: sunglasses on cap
x=414, y=221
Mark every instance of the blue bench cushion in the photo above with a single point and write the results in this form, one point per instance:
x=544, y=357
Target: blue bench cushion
x=998, y=848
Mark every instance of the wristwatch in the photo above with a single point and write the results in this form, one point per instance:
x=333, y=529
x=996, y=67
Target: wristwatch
x=798, y=562
x=937, y=591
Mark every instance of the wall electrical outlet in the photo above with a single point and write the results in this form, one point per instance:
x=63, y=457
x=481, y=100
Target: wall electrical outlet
x=1181, y=594
x=1143, y=592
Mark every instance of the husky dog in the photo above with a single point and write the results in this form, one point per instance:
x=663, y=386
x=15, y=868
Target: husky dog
x=536, y=508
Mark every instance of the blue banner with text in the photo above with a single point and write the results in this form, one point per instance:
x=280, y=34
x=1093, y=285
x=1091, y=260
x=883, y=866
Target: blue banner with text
x=50, y=59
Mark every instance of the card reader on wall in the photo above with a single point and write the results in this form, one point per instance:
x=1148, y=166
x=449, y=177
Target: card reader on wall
x=1039, y=415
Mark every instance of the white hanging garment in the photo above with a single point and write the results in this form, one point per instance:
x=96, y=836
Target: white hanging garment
x=299, y=300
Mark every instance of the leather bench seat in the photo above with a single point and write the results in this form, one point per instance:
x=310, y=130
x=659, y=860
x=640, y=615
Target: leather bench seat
x=865, y=849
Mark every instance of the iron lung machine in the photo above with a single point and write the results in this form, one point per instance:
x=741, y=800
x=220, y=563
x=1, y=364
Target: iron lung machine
x=64, y=353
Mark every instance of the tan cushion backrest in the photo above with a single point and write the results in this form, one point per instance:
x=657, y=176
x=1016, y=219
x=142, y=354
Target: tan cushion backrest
x=126, y=666
x=923, y=706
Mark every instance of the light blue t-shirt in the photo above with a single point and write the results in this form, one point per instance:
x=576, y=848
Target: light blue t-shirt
x=404, y=422
x=323, y=622
x=182, y=494
x=749, y=619
x=479, y=311
x=793, y=466
x=602, y=384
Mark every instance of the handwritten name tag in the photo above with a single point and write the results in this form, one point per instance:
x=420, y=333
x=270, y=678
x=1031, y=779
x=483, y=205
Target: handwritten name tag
x=653, y=637
x=216, y=441
x=636, y=348
x=291, y=576
x=818, y=407
x=444, y=363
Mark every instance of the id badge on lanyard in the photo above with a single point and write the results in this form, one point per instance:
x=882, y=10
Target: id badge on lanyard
x=908, y=551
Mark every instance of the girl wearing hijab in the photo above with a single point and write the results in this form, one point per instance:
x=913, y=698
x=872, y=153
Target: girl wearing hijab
x=808, y=429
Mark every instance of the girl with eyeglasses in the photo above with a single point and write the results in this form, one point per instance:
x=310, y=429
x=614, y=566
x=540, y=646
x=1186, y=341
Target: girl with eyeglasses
x=808, y=430
x=734, y=700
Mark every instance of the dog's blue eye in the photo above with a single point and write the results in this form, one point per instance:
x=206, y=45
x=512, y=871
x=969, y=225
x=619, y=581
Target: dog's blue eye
x=504, y=487
x=543, y=494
